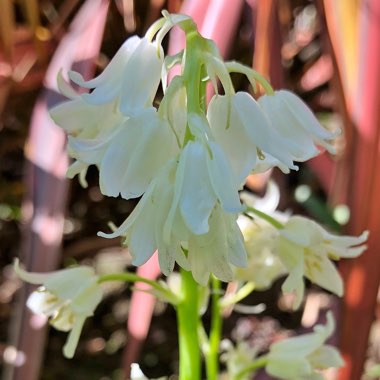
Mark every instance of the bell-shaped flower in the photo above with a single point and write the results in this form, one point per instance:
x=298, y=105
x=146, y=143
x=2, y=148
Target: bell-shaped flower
x=294, y=121
x=190, y=204
x=245, y=133
x=306, y=249
x=264, y=265
x=84, y=122
x=131, y=78
x=301, y=357
x=67, y=297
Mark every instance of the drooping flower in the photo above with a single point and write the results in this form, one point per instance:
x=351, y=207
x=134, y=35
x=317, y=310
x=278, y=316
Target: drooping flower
x=131, y=78
x=306, y=249
x=299, y=358
x=67, y=297
x=84, y=122
x=125, y=89
x=245, y=133
x=294, y=121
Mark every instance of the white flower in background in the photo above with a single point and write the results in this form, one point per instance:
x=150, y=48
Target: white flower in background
x=190, y=204
x=299, y=358
x=306, y=249
x=245, y=133
x=294, y=121
x=66, y=296
x=264, y=265
x=137, y=374
x=131, y=78
x=237, y=358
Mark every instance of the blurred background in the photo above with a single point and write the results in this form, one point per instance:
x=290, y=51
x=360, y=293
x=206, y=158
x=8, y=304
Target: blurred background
x=326, y=51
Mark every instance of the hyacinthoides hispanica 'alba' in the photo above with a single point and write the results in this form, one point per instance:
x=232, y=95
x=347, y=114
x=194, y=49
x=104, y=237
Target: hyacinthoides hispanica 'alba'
x=187, y=161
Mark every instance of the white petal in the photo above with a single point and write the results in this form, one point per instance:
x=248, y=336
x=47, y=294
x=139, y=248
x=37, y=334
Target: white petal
x=198, y=197
x=222, y=180
x=283, y=368
x=74, y=115
x=142, y=167
x=64, y=319
x=325, y=274
x=126, y=225
x=326, y=357
x=43, y=302
x=141, y=79
x=285, y=122
x=260, y=129
x=305, y=116
x=108, y=84
x=136, y=373
x=208, y=253
x=230, y=134
x=86, y=300
x=237, y=254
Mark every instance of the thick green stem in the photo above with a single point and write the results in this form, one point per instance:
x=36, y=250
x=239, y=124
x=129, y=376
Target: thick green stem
x=212, y=358
x=188, y=324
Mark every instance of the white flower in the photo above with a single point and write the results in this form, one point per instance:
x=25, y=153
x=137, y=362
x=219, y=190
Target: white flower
x=294, y=121
x=84, y=122
x=67, y=297
x=306, y=249
x=131, y=78
x=298, y=358
x=190, y=204
x=264, y=266
x=245, y=133
x=137, y=374
x=237, y=358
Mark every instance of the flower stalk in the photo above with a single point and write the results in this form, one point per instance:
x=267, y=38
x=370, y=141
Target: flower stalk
x=212, y=358
x=188, y=322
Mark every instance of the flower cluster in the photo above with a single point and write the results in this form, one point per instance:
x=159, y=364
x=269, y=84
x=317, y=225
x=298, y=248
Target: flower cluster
x=186, y=160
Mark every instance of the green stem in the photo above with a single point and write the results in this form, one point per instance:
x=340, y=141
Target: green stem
x=242, y=293
x=192, y=72
x=263, y=215
x=188, y=322
x=255, y=365
x=212, y=358
x=252, y=76
x=131, y=277
x=154, y=28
